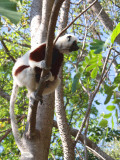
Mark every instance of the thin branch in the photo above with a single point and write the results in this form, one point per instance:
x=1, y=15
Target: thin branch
x=89, y=143
x=103, y=71
x=91, y=98
x=95, y=153
x=9, y=130
x=116, y=51
x=84, y=40
x=85, y=138
x=77, y=2
x=83, y=87
x=74, y=21
x=8, y=119
x=115, y=4
x=95, y=19
x=106, y=72
x=85, y=118
x=78, y=153
x=11, y=41
x=7, y=51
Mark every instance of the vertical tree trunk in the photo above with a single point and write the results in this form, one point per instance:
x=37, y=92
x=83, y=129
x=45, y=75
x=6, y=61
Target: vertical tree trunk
x=39, y=146
x=68, y=147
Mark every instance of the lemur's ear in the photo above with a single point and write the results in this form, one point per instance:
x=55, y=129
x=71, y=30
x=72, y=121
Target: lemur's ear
x=69, y=38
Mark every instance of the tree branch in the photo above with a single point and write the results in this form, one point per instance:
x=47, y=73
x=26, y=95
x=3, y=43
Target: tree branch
x=91, y=98
x=67, y=143
x=11, y=41
x=4, y=95
x=48, y=58
x=74, y=21
x=9, y=130
x=89, y=143
x=7, y=51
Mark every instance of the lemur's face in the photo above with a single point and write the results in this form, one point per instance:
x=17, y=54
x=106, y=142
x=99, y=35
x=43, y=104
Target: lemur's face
x=73, y=43
x=67, y=43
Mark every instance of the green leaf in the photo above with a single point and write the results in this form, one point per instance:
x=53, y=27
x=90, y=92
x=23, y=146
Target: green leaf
x=108, y=115
x=116, y=114
x=108, y=98
x=103, y=123
x=8, y=9
x=98, y=103
x=110, y=107
x=117, y=79
x=112, y=123
x=115, y=33
x=97, y=46
x=90, y=67
x=75, y=82
x=93, y=60
x=94, y=73
x=87, y=59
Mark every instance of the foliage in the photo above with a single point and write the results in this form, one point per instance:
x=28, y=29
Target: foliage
x=86, y=68
x=9, y=9
x=113, y=149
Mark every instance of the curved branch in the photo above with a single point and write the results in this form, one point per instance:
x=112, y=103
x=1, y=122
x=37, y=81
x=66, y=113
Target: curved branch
x=89, y=143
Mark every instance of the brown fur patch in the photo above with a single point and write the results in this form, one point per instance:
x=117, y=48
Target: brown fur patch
x=38, y=54
x=20, y=69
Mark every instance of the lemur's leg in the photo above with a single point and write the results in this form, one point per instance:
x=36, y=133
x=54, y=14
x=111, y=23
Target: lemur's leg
x=51, y=86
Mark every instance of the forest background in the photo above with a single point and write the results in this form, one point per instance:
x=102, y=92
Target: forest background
x=90, y=78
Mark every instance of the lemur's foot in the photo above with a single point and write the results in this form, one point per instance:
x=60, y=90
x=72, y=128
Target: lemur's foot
x=49, y=77
x=43, y=65
x=34, y=97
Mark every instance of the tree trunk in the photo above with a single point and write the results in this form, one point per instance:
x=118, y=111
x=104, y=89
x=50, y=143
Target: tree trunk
x=39, y=146
x=68, y=147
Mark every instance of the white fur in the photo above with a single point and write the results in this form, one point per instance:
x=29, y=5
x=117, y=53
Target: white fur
x=63, y=44
x=27, y=76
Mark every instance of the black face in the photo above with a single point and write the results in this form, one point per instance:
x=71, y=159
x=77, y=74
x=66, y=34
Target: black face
x=74, y=47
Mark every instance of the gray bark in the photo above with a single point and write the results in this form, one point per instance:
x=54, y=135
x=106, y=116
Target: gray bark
x=35, y=17
x=68, y=147
x=39, y=145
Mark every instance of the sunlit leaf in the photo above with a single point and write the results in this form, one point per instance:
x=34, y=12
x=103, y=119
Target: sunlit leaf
x=112, y=123
x=108, y=115
x=94, y=72
x=115, y=33
x=110, y=107
x=103, y=123
x=90, y=67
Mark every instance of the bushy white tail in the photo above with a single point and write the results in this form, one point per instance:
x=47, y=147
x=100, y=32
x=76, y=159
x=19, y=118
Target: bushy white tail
x=13, y=117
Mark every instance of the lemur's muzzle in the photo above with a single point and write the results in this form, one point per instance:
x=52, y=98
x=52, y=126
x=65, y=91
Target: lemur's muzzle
x=74, y=47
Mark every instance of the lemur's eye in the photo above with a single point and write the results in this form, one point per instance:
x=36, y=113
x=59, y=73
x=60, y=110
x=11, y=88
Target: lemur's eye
x=69, y=37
